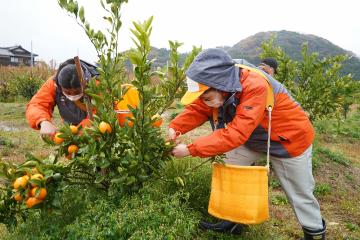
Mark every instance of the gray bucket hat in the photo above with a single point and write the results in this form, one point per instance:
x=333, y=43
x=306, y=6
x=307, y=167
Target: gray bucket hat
x=216, y=69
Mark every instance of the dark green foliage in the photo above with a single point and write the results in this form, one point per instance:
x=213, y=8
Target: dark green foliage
x=197, y=183
x=315, y=82
x=20, y=86
x=26, y=86
x=150, y=214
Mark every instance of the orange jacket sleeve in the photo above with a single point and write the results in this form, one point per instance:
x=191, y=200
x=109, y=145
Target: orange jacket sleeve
x=194, y=115
x=41, y=105
x=249, y=113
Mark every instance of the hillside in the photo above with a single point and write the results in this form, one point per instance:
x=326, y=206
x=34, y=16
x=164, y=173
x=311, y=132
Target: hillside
x=290, y=42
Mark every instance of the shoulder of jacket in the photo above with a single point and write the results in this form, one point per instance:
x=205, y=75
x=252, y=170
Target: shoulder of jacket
x=254, y=81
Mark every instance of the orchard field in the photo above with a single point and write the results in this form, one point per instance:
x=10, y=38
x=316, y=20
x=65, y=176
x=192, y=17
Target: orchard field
x=166, y=210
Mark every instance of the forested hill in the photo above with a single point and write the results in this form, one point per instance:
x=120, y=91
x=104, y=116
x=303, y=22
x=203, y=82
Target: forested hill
x=290, y=42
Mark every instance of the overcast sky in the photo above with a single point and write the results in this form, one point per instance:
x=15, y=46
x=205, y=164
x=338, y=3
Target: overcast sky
x=209, y=23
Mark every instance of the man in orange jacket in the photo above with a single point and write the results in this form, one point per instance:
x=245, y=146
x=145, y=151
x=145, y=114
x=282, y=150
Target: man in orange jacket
x=234, y=100
x=64, y=90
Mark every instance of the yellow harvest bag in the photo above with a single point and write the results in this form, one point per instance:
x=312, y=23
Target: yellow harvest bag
x=240, y=193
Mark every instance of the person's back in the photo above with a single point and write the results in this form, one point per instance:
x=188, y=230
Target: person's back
x=292, y=130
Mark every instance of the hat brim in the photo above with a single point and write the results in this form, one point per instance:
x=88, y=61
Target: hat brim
x=189, y=97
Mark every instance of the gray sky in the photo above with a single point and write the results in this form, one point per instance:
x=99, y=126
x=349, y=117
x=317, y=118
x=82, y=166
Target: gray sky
x=209, y=23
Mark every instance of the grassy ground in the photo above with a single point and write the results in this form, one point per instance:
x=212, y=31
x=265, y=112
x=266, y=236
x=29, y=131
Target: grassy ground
x=161, y=211
x=16, y=137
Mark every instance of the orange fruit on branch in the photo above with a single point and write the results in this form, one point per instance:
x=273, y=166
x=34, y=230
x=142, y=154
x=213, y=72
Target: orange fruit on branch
x=42, y=193
x=18, y=197
x=105, y=127
x=30, y=202
x=73, y=149
x=130, y=123
x=74, y=129
x=158, y=122
x=21, y=182
x=58, y=140
x=123, y=118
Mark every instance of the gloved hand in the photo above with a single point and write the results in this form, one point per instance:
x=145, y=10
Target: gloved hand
x=181, y=150
x=47, y=129
x=171, y=134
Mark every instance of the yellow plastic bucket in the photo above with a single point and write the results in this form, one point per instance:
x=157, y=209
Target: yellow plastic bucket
x=130, y=98
x=239, y=193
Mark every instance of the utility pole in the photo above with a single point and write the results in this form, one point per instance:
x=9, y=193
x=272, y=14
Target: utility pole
x=31, y=61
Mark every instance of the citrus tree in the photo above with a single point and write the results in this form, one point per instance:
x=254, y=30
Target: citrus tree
x=122, y=145
x=314, y=82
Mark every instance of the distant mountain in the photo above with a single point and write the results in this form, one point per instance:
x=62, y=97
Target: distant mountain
x=161, y=55
x=291, y=42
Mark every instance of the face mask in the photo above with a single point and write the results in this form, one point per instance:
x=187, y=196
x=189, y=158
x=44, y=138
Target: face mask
x=215, y=103
x=74, y=98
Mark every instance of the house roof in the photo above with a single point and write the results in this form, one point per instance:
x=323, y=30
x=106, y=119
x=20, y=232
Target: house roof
x=5, y=52
x=15, y=51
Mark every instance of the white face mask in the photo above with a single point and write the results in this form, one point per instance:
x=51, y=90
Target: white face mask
x=215, y=103
x=74, y=98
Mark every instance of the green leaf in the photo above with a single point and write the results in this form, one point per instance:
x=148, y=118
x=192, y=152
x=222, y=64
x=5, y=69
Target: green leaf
x=62, y=3
x=102, y=4
x=148, y=23
x=137, y=35
x=82, y=14
x=138, y=27
x=130, y=180
x=99, y=179
x=135, y=58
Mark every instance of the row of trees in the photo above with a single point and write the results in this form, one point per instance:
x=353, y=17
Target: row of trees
x=315, y=82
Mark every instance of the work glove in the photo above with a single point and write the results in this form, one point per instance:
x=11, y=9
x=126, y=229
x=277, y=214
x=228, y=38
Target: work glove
x=181, y=150
x=47, y=129
x=171, y=134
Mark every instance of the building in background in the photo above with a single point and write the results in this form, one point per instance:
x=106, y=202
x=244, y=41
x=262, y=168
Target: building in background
x=16, y=56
